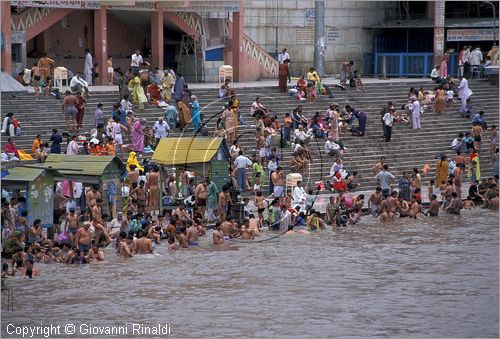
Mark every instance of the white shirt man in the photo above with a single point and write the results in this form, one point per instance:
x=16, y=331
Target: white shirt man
x=242, y=162
x=72, y=148
x=435, y=73
x=161, y=128
x=388, y=119
x=476, y=57
x=464, y=93
x=330, y=146
x=466, y=56
x=87, y=69
x=457, y=144
x=283, y=56
x=301, y=134
x=136, y=62
x=125, y=105
x=286, y=219
x=76, y=84
x=256, y=105
x=299, y=197
x=415, y=114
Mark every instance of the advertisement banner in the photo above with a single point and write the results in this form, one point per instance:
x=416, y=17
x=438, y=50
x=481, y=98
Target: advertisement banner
x=76, y=4
x=472, y=34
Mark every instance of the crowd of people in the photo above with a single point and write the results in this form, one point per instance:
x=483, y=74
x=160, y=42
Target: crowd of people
x=189, y=207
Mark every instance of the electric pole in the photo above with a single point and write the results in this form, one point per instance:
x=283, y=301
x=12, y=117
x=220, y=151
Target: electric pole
x=319, y=37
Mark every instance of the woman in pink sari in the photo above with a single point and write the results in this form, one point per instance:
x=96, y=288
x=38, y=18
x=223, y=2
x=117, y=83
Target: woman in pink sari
x=138, y=136
x=444, y=65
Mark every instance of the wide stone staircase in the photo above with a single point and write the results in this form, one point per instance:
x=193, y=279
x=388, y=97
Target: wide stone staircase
x=408, y=149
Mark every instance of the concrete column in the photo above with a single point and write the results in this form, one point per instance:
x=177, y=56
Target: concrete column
x=101, y=43
x=157, y=38
x=319, y=37
x=228, y=52
x=46, y=40
x=439, y=6
x=430, y=9
x=6, y=56
x=237, y=42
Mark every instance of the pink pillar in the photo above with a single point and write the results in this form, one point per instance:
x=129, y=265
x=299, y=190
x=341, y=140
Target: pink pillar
x=101, y=43
x=438, y=31
x=157, y=38
x=237, y=42
x=7, y=35
x=228, y=51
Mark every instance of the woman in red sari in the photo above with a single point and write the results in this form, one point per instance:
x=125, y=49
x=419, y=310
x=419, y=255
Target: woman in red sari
x=283, y=76
x=10, y=147
x=154, y=93
x=80, y=111
x=302, y=84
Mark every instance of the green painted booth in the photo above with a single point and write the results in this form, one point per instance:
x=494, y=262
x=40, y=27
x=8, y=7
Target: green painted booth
x=205, y=156
x=38, y=184
x=91, y=170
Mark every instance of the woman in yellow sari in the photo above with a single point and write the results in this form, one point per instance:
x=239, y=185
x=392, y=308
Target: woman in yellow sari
x=168, y=84
x=184, y=114
x=132, y=160
x=234, y=104
x=441, y=170
x=138, y=96
x=36, y=145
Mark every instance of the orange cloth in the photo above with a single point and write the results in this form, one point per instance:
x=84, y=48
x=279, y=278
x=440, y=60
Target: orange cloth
x=110, y=150
x=36, y=144
x=100, y=150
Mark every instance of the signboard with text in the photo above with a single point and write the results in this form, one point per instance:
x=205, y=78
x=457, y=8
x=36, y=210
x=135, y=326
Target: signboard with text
x=332, y=34
x=309, y=17
x=76, y=4
x=473, y=34
x=304, y=35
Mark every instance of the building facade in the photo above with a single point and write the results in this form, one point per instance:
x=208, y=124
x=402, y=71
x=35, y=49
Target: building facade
x=197, y=37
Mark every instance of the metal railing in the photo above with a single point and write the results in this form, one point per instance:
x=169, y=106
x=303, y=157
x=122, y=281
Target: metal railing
x=409, y=64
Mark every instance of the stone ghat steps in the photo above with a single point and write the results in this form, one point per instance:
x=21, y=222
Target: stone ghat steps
x=51, y=113
x=402, y=154
x=374, y=92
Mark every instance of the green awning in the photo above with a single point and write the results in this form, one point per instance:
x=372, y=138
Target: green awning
x=22, y=174
x=81, y=165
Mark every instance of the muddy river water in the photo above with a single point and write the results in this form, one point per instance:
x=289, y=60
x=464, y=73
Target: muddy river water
x=415, y=278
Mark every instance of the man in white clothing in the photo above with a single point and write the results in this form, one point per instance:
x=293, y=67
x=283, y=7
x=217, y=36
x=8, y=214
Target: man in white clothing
x=301, y=135
x=77, y=84
x=161, y=129
x=466, y=62
x=436, y=74
x=257, y=107
x=72, y=148
x=241, y=164
x=332, y=148
x=283, y=56
x=463, y=93
x=136, y=62
x=87, y=68
x=299, y=196
x=125, y=104
x=476, y=57
x=388, y=119
x=415, y=113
